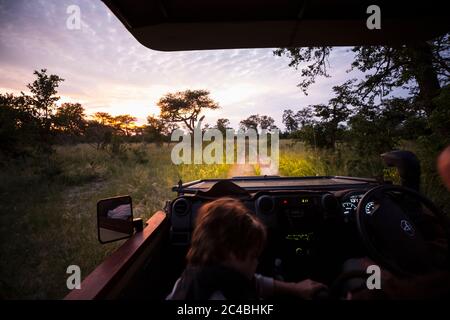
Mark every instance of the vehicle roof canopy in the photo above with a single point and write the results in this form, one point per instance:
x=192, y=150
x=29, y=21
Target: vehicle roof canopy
x=173, y=25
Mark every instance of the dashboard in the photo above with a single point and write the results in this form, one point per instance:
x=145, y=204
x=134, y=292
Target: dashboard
x=311, y=222
x=306, y=229
x=288, y=212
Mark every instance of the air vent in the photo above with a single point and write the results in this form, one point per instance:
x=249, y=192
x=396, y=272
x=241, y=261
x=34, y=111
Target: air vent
x=265, y=204
x=180, y=207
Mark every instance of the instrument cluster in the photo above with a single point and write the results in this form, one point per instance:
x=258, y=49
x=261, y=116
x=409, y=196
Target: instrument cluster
x=350, y=202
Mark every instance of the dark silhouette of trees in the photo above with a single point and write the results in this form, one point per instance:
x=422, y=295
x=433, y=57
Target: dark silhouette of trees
x=364, y=113
x=267, y=123
x=304, y=117
x=256, y=121
x=43, y=105
x=222, y=125
x=185, y=106
x=70, y=119
x=106, y=129
x=422, y=67
x=18, y=126
x=158, y=130
x=251, y=122
x=125, y=124
x=104, y=118
x=289, y=120
x=28, y=122
x=98, y=134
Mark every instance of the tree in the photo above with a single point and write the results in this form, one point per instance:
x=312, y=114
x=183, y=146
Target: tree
x=256, y=121
x=28, y=121
x=410, y=66
x=222, y=125
x=157, y=130
x=331, y=116
x=439, y=121
x=367, y=124
x=304, y=117
x=267, y=123
x=42, y=105
x=316, y=56
x=322, y=124
x=18, y=127
x=98, y=134
x=44, y=97
x=8, y=129
x=289, y=121
x=185, y=106
x=124, y=124
x=104, y=118
x=251, y=122
x=423, y=67
x=205, y=128
x=70, y=118
x=295, y=121
x=100, y=129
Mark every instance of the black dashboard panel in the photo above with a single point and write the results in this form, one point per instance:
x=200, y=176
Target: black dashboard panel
x=282, y=212
x=308, y=220
x=274, y=183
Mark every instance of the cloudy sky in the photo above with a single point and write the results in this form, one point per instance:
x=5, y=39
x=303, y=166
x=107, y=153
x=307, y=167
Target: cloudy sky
x=106, y=69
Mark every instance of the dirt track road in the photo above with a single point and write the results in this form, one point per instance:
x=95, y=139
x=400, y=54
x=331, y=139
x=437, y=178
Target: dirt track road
x=266, y=167
x=240, y=170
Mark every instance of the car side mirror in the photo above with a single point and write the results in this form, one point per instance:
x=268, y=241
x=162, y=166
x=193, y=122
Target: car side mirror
x=115, y=219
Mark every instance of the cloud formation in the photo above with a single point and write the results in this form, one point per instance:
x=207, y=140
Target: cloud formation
x=106, y=69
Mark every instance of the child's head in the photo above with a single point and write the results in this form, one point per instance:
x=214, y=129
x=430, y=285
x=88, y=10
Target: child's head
x=226, y=232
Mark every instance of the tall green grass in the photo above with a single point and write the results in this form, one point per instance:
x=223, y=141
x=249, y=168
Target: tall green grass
x=47, y=213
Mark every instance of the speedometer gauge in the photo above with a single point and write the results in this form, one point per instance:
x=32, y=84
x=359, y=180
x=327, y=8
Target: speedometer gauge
x=370, y=207
x=349, y=208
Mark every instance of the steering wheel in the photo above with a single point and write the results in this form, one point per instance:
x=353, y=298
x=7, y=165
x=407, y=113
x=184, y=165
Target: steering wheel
x=398, y=227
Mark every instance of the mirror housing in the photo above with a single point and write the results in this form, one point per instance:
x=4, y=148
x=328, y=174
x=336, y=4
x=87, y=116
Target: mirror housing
x=115, y=219
x=408, y=167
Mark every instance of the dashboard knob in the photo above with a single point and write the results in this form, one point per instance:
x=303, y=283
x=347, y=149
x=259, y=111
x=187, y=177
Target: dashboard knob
x=329, y=202
x=265, y=204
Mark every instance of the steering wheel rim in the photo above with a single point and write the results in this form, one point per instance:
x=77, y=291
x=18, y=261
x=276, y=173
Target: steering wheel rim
x=362, y=218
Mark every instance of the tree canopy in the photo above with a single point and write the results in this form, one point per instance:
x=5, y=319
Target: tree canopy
x=422, y=68
x=257, y=121
x=185, y=106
